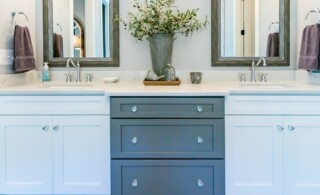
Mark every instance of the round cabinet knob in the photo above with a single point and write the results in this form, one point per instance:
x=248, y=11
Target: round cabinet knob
x=199, y=140
x=134, y=109
x=280, y=128
x=200, y=183
x=45, y=128
x=56, y=128
x=134, y=140
x=134, y=183
x=291, y=128
x=200, y=108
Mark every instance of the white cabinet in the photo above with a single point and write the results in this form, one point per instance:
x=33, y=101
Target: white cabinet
x=272, y=154
x=254, y=155
x=302, y=155
x=25, y=155
x=48, y=153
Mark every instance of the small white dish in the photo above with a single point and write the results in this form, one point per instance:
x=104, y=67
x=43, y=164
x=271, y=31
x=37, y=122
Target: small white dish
x=110, y=79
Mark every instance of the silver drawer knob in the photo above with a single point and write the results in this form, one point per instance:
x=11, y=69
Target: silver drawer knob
x=45, y=128
x=134, y=140
x=134, y=109
x=199, y=140
x=291, y=128
x=200, y=108
x=56, y=128
x=200, y=183
x=280, y=128
x=134, y=183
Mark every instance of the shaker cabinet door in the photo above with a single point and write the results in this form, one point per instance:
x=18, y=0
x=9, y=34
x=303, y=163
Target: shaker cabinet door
x=25, y=155
x=302, y=155
x=168, y=177
x=254, y=155
x=81, y=155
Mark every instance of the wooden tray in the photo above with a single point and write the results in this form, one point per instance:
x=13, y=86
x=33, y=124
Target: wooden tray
x=176, y=82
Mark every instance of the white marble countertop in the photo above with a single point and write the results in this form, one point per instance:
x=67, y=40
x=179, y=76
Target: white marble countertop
x=137, y=88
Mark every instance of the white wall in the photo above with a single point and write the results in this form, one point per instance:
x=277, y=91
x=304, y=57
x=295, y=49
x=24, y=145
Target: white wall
x=189, y=53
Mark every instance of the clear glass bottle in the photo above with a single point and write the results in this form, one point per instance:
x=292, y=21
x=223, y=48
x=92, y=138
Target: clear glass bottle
x=169, y=73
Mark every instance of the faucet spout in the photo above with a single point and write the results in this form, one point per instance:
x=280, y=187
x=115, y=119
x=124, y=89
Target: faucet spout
x=68, y=62
x=253, y=68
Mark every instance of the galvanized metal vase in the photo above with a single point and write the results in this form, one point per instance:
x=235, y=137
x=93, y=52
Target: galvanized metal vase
x=161, y=45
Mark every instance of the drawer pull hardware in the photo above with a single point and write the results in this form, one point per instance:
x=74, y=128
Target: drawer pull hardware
x=199, y=140
x=134, y=109
x=135, y=183
x=200, y=108
x=45, y=128
x=134, y=140
x=280, y=128
x=200, y=183
x=291, y=128
x=56, y=128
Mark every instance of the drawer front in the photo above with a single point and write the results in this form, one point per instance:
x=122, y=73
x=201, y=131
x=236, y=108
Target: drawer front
x=16, y=105
x=163, y=177
x=167, y=138
x=167, y=107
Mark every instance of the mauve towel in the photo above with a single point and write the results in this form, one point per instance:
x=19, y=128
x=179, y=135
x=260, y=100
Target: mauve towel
x=273, y=45
x=57, y=46
x=23, y=51
x=310, y=45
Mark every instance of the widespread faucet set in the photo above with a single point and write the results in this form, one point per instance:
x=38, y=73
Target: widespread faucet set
x=254, y=65
x=88, y=76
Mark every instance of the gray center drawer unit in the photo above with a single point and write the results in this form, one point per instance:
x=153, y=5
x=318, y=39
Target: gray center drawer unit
x=167, y=145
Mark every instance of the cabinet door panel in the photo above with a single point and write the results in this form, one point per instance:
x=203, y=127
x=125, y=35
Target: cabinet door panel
x=254, y=155
x=302, y=156
x=168, y=177
x=167, y=138
x=81, y=155
x=25, y=155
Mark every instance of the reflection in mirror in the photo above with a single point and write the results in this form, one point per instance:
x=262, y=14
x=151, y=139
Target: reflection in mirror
x=245, y=30
x=83, y=30
x=87, y=16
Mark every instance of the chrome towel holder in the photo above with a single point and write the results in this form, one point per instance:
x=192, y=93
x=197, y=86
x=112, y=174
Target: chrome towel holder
x=273, y=23
x=58, y=25
x=312, y=11
x=15, y=14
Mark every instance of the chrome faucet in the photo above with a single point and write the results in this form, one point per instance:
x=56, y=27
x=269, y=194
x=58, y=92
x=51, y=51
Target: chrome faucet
x=253, y=68
x=78, y=69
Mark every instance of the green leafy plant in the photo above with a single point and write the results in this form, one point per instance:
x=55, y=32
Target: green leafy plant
x=161, y=16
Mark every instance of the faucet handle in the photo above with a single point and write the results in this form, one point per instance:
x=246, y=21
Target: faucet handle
x=263, y=76
x=88, y=77
x=69, y=76
x=242, y=77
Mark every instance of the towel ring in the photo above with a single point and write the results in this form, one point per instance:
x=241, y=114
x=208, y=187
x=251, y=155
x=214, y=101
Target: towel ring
x=15, y=14
x=312, y=11
x=58, y=25
x=273, y=23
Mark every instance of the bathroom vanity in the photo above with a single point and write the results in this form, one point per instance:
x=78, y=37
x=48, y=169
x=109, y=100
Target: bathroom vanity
x=125, y=138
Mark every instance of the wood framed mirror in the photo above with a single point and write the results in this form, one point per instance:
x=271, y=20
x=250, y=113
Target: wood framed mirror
x=81, y=30
x=243, y=31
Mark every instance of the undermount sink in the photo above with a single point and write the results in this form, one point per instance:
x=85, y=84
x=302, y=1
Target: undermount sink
x=264, y=86
x=66, y=85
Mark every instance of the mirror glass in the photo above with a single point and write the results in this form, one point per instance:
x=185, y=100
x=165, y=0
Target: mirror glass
x=244, y=30
x=82, y=30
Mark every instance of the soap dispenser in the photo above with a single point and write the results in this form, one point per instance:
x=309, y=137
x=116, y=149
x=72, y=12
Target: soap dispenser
x=45, y=72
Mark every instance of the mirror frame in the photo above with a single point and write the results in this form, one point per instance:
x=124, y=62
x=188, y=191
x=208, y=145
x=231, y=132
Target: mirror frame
x=112, y=61
x=218, y=60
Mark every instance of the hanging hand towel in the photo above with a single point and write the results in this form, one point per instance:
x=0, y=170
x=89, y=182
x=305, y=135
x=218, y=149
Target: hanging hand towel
x=23, y=51
x=57, y=46
x=310, y=48
x=273, y=45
